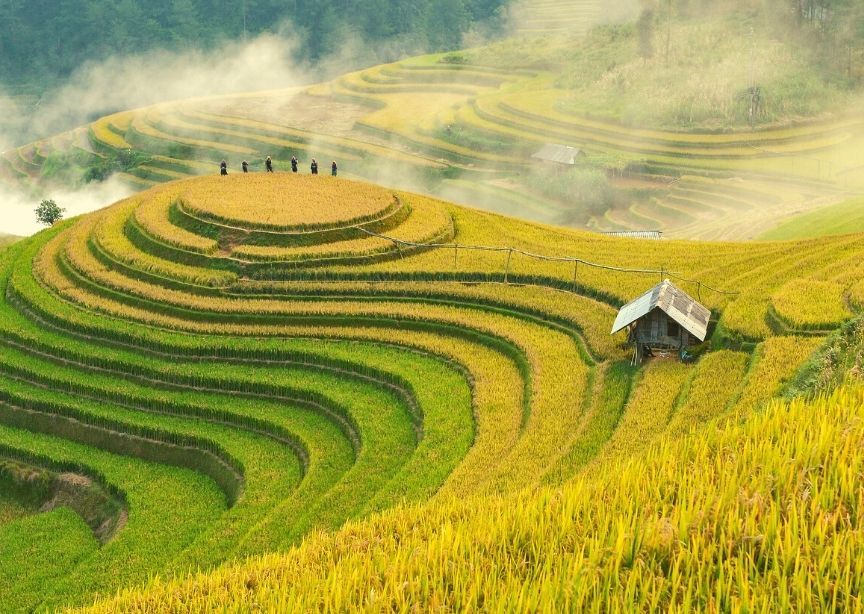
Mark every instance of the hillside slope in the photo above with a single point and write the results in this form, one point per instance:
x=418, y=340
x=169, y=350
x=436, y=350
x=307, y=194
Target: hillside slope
x=844, y=218
x=225, y=365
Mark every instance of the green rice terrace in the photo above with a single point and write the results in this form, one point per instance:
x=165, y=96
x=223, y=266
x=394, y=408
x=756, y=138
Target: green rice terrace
x=183, y=385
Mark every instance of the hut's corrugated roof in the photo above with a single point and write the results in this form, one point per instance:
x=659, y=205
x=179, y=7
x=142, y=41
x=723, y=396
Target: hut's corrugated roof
x=655, y=235
x=676, y=303
x=561, y=154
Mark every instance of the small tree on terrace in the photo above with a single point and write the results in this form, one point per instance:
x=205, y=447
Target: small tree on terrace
x=645, y=28
x=48, y=212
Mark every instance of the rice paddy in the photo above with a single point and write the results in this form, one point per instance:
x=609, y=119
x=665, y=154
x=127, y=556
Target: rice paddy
x=267, y=403
x=288, y=392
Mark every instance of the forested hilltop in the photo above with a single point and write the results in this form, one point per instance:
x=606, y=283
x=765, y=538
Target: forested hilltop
x=833, y=30
x=43, y=41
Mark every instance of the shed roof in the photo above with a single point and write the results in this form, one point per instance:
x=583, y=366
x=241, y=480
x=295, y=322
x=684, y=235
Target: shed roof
x=636, y=234
x=561, y=154
x=676, y=303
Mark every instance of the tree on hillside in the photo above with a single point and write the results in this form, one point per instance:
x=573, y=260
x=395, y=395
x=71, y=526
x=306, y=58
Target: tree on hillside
x=847, y=37
x=669, y=12
x=446, y=21
x=833, y=29
x=645, y=28
x=49, y=212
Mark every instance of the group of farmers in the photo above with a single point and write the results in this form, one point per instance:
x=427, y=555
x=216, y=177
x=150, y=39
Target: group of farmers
x=268, y=165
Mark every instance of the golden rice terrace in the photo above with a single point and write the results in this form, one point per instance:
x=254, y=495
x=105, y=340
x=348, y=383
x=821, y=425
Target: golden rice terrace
x=226, y=367
x=287, y=203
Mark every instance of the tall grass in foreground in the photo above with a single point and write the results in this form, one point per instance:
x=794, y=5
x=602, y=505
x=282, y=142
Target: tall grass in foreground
x=761, y=515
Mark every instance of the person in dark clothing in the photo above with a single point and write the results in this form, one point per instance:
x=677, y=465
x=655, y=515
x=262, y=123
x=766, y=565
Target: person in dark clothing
x=293, y=164
x=314, y=166
x=245, y=166
x=223, y=168
x=333, y=168
x=269, y=164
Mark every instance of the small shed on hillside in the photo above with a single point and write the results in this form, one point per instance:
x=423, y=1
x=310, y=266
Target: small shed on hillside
x=664, y=318
x=563, y=155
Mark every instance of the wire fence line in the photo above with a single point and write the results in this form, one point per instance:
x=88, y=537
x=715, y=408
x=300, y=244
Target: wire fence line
x=662, y=272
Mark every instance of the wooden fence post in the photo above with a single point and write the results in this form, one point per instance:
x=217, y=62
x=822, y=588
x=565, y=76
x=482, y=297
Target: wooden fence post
x=455, y=253
x=507, y=268
x=575, y=273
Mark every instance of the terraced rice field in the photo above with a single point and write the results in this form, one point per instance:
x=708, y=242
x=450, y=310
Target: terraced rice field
x=464, y=125
x=216, y=379
x=718, y=209
x=383, y=145
x=23, y=165
x=644, y=536
x=408, y=123
x=538, y=17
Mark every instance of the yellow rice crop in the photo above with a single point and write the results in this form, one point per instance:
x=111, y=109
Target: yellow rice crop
x=534, y=397
x=592, y=318
x=285, y=201
x=649, y=409
x=182, y=122
x=109, y=236
x=143, y=124
x=558, y=375
x=804, y=303
x=102, y=132
x=759, y=516
x=776, y=362
x=432, y=224
x=332, y=141
x=856, y=294
x=535, y=108
x=152, y=216
x=714, y=385
x=752, y=271
x=496, y=381
x=755, y=272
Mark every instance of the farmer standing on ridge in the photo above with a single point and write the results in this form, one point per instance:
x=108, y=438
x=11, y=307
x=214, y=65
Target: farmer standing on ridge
x=245, y=166
x=334, y=169
x=293, y=164
x=223, y=168
x=314, y=166
x=269, y=164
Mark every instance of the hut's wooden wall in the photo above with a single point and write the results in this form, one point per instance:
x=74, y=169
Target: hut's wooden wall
x=656, y=329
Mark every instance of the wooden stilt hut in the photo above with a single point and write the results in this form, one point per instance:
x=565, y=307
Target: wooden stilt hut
x=664, y=318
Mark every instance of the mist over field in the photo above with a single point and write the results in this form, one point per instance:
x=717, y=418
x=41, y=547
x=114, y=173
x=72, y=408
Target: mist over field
x=688, y=70
x=127, y=82
x=121, y=83
x=69, y=61
x=269, y=61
